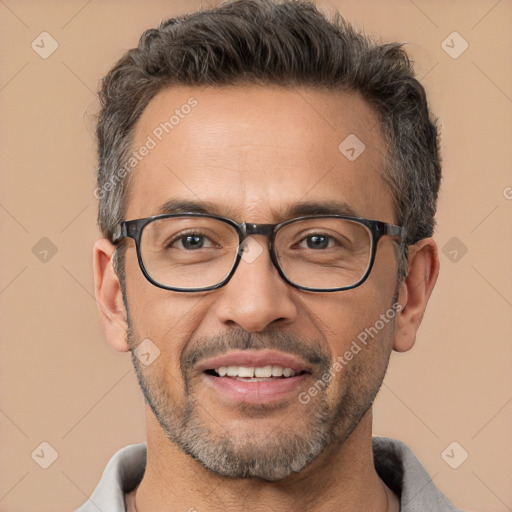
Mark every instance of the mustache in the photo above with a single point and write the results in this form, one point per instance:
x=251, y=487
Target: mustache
x=206, y=347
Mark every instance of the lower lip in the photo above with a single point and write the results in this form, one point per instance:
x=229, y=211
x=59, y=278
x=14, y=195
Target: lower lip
x=256, y=392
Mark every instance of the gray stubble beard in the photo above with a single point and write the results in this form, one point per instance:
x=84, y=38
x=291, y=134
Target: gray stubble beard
x=248, y=455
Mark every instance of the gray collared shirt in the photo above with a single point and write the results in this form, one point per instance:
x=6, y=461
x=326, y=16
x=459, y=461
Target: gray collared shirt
x=394, y=461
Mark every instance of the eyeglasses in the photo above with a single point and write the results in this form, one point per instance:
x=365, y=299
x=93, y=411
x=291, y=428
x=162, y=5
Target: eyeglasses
x=195, y=252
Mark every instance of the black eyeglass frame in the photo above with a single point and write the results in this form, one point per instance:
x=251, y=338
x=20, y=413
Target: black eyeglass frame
x=133, y=229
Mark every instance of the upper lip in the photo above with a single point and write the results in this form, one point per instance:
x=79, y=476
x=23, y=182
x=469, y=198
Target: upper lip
x=255, y=359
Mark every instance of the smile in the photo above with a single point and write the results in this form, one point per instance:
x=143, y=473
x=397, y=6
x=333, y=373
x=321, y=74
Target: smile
x=255, y=377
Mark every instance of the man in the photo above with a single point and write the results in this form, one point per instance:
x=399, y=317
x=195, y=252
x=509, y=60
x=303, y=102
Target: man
x=267, y=182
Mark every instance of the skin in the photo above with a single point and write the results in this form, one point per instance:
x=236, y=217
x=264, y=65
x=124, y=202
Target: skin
x=254, y=151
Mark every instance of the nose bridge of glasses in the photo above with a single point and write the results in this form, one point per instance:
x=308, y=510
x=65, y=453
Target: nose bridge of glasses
x=257, y=229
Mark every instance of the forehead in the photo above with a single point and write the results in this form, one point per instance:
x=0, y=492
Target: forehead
x=251, y=152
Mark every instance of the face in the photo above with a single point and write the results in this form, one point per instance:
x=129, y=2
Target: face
x=253, y=153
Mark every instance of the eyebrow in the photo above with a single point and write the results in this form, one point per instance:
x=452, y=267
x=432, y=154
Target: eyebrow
x=184, y=206
x=319, y=208
x=299, y=209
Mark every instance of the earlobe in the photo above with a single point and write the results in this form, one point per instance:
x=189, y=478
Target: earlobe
x=415, y=292
x=109, y=296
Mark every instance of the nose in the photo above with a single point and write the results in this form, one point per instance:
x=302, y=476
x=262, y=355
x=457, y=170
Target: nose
x=256, y=295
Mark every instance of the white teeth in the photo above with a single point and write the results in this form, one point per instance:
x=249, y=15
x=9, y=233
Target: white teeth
x=287, y=372
x=243, y=371
x=277, y=371
x=264, y=371
x=232, y=371
x=258, y=372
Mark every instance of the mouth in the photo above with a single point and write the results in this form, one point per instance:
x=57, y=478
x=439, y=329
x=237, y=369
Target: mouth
x=255, y=376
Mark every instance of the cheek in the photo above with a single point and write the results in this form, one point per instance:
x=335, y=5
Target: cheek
x=357, y=326
x=359, y=367
x=347, y=317
x=366, y=312
x=162, y=319
x=169, y=325
x=156, y=313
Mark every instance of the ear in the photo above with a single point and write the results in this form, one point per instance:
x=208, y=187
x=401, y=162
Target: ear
x=415, y=291
x=109, y=296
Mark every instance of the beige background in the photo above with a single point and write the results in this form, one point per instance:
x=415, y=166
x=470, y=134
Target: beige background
x=62, y=385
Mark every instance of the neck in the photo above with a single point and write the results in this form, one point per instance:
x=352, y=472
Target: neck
x=341, y=478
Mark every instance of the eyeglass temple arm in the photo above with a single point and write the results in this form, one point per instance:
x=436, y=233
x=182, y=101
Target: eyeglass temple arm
x=392, y=230
x=120, y=232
